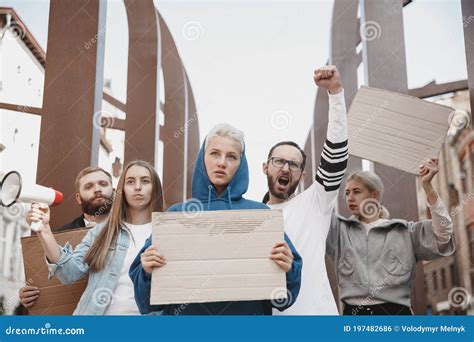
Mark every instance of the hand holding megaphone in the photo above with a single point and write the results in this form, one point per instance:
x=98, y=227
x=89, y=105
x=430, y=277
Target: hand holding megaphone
x=13, y=190
x=37, y=216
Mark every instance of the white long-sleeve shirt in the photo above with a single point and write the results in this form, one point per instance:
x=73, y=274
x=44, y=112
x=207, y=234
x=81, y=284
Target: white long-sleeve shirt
x=442, y=222
x=307, y=217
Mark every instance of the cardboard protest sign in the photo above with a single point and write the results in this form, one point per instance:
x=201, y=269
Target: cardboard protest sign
x=217, y=256
x=396, y=130
x=55, y=298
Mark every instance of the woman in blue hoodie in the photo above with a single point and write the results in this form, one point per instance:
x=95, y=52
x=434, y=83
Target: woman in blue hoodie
x=220, y=179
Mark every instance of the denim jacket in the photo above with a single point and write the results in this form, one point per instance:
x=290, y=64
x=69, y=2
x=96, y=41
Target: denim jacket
x=100, y=288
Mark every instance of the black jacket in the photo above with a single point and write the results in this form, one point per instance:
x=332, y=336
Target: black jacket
x=77, y=223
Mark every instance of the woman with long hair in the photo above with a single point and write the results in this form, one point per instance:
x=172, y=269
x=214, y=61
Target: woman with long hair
x=108, y=249
x=375, y=257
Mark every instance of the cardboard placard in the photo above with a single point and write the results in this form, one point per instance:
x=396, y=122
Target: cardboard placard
x=396, y=130
x=55, y=298
x=217, y=256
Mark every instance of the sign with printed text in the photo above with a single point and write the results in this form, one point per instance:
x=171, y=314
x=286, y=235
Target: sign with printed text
x=217, y=256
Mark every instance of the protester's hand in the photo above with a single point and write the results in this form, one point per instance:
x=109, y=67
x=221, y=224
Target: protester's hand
x=328, y=78
x=29, y=295
x=39, y=212
x=428, y=170
x=282, y=256
x=151, y=258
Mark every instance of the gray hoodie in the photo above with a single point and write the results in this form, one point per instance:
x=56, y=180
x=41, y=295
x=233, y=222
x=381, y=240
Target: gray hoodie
x=381, y=264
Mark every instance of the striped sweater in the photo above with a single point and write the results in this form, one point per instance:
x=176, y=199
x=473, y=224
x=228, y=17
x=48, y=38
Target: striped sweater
x=307, y=217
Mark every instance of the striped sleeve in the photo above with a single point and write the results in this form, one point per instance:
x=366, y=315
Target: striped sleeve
x=335, y=153
x=333, y=165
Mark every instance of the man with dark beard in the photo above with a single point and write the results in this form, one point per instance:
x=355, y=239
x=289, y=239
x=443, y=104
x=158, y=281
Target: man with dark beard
x=94, y=193
x=283, y=183
x=307, y=215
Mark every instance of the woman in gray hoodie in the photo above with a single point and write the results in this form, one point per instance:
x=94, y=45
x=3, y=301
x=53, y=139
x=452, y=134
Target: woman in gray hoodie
x=375, y=257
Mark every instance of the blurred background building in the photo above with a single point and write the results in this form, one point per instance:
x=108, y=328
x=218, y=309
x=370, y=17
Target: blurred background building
x=24, y=89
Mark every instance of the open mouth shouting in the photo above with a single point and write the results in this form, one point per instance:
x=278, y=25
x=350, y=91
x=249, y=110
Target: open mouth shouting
x=283, y=182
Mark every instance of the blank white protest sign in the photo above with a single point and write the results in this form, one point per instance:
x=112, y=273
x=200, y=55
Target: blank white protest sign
x=217, y=256
x=396, y=130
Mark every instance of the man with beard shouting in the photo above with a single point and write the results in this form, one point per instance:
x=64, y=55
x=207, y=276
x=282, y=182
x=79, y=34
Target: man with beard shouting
x=307, y=215
x=94, y=193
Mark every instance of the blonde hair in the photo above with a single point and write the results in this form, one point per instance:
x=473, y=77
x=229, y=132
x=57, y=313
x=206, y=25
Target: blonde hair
x=96, y=256
x=373, y=183
x=226, y=130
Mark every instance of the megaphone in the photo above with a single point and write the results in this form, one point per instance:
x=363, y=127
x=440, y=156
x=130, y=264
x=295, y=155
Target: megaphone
x=12, y=190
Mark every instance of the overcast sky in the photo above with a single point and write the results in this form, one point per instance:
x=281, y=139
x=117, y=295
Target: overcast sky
x=250, y=63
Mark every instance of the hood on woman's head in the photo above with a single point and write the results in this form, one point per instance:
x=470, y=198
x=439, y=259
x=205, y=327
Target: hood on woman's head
x=223, y=141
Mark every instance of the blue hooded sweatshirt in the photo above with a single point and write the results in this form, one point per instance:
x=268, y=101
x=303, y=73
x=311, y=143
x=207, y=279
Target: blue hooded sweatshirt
x=231, y=199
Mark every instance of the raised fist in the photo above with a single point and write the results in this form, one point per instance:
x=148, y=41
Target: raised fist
x=328, y=77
